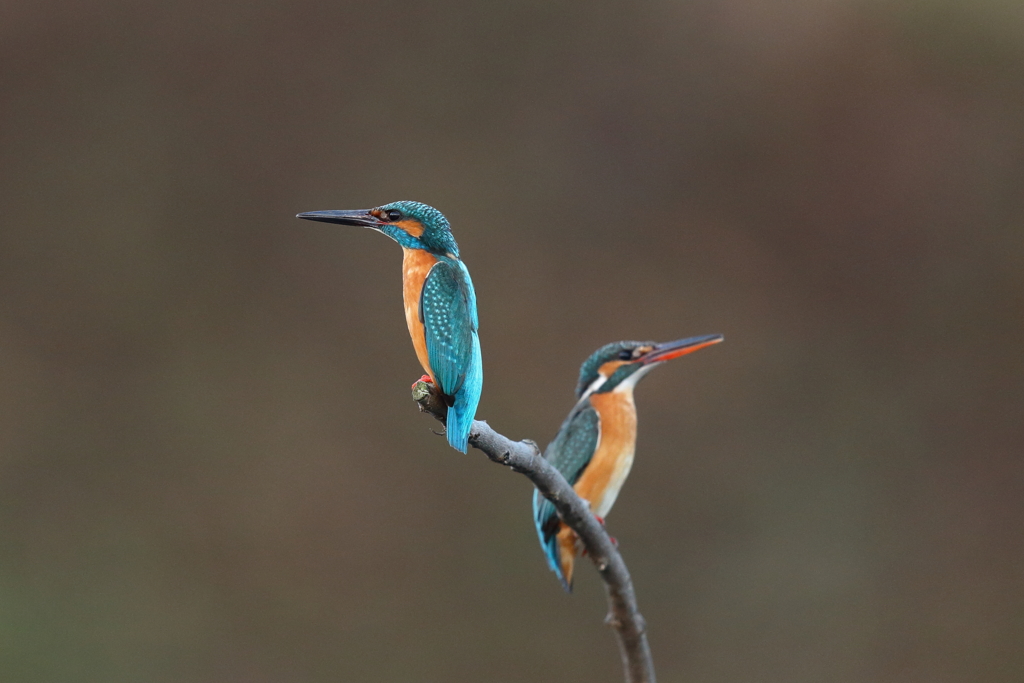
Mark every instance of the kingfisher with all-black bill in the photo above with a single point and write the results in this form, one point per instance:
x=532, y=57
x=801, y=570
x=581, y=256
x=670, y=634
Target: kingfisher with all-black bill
x=594, y=448
x=440, y=304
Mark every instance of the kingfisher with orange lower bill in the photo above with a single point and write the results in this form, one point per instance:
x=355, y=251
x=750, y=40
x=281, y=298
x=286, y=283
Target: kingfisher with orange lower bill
x=440, y=304
x=594, y=448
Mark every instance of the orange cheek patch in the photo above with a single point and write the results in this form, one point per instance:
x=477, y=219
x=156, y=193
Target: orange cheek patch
x=609, y=368
x=411, y=226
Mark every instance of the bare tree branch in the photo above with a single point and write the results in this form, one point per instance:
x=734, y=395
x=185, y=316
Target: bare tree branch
x=525, y=457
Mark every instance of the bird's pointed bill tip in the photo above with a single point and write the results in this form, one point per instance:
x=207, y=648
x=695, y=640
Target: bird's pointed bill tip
x=361, y=218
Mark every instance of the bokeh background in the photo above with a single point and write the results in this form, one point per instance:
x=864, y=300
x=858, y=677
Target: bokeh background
x=210, y=466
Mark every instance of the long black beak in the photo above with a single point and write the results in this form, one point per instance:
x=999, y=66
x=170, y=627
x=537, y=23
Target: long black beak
x=361, y=218
x=680, y=347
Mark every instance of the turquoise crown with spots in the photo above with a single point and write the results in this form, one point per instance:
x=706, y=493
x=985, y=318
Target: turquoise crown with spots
x=437, y=233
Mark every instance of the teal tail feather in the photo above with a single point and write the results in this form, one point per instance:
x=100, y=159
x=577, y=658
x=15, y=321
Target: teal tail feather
x=463, y=410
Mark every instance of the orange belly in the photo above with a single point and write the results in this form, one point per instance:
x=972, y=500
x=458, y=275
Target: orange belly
x=415, y=265
x=611, y=462
x=567, y=548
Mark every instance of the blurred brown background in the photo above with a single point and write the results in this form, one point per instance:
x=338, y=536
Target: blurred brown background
x=210, y=466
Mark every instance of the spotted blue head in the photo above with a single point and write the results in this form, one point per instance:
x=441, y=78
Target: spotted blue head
x=414, y=225
x=619, y=363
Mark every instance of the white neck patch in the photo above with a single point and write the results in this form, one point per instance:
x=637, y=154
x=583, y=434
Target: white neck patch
x=595, y=385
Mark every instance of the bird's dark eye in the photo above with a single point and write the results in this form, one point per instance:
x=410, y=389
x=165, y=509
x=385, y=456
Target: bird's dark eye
x=394, y=215
x=625, y=354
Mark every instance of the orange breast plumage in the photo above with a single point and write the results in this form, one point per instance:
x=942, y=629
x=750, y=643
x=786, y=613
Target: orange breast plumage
x=608, y=468
x=416, y=263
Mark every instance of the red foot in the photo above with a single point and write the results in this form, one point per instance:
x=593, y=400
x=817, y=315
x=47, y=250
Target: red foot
x=615, y=542
x=424, y=378
x=600, y=520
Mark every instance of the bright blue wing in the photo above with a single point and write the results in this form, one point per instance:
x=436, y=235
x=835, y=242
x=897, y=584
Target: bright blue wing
x=448, y=312
x=570, y=452
x=448, y=327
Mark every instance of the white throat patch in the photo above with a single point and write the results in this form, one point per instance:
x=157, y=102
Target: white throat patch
x=627, y=384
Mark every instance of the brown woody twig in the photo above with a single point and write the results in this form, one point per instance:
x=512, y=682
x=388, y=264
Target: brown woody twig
x=525, y=457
